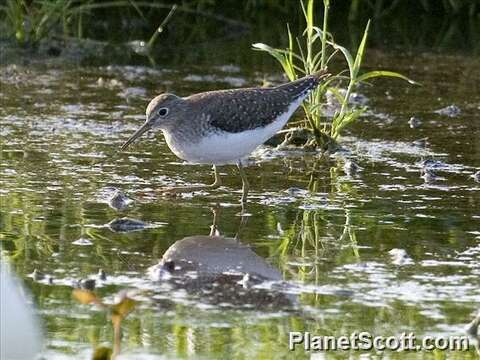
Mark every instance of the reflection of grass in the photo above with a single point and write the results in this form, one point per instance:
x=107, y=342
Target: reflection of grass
x=312, y=239
x=312, y=234
x=300, y=59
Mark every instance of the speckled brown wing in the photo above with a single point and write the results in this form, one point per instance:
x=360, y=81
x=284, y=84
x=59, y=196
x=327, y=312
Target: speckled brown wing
x=239, y=110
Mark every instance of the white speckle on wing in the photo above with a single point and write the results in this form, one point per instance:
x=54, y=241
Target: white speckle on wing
x=226, y=148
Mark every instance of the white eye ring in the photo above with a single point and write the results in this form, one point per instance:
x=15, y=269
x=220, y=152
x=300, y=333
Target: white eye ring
x=163, y=112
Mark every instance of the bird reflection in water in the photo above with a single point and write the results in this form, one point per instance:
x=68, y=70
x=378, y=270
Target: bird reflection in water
x=216, y=269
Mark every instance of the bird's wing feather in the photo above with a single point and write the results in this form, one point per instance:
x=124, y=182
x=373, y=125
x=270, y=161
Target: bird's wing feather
x=246, y=109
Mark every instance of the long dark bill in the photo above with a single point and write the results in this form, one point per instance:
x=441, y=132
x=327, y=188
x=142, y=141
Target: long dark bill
x=143, y=129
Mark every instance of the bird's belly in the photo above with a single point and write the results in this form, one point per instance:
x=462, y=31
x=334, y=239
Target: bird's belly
x=223, y=147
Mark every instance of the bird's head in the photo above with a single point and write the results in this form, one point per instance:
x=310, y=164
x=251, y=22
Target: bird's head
x=161, y=112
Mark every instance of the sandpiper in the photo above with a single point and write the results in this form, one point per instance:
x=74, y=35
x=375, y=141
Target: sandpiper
x=224, y=126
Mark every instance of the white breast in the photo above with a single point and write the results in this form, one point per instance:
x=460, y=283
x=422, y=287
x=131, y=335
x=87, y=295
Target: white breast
x=227, y=148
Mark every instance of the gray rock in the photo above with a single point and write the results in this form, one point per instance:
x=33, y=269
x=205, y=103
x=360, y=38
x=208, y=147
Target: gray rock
x=414, y=122
x=450, y=111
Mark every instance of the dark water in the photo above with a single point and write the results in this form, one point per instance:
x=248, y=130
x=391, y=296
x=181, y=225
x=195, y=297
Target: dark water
x=319, y=261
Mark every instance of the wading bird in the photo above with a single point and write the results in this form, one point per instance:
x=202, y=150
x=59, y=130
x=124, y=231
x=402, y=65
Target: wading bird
x=224, y=126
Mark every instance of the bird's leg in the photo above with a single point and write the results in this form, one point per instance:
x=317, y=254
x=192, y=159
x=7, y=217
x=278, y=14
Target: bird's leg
x=214, y=227
x=245, y=184
x=243, y=223
x=218, y=180
x=182, y=189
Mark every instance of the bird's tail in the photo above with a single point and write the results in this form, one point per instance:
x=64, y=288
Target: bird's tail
x=304, y=85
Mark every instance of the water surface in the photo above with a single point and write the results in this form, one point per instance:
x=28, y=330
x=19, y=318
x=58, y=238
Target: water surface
x=319, y=261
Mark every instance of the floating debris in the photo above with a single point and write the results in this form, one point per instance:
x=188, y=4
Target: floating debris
x=230, y=68
x=41, y=277
x=246, y=282
x=161, y=271
x=112, y=83
x=139, y=46
x=350, y=167
x=101, y=275
x=87, y=284
x=231, y=80
x=294, y=191
x=476, y=176
x=119, y=201
x=126, y=224
x=433, y=164
x=423, y=142
x=450, y=111
x=130, y=92
x=414, y=122
x=400, y=257
x=428, y=175
x=37, y=275
x=82, y=242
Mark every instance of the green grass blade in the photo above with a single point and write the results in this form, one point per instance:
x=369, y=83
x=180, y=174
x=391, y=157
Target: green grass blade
x=348, y=57
x=384, y=73
x=361, y=51
x=137, y=9
x=346, y=120
x=161, y=27
x=290, y=48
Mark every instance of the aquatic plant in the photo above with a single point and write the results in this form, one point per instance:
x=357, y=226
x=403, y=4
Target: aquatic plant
x=118, y=312
x=300, y=59
x=31, y=21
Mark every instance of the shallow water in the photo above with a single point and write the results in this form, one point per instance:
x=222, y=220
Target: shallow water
x=319, y=261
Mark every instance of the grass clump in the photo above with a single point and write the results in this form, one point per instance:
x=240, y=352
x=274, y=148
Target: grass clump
x=30, y=21
x=312, y=52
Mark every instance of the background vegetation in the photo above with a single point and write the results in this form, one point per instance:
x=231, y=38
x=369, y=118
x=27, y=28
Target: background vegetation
x=413, y=23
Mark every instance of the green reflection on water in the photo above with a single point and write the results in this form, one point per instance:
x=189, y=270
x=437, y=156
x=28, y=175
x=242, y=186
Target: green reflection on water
x=331, y=246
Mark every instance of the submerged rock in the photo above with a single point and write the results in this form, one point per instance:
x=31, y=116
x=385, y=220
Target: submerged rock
x=450, y=111
x=428, y=175
x=414, y=122
x=400, y=257
x=119, y=201
x=126, y=224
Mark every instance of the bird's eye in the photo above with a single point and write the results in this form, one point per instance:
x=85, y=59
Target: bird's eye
x=163, y=112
